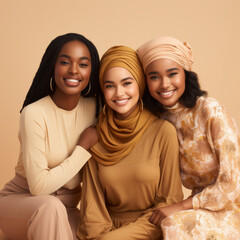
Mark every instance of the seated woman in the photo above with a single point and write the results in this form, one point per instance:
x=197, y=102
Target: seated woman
x=40, y=202
x=135, y=165
x=209, y=145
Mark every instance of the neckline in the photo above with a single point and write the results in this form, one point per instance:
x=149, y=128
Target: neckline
x=61, y=109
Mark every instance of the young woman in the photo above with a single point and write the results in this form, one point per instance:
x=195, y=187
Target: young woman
x=209, y=145
x=135, y=165
x=40, y=201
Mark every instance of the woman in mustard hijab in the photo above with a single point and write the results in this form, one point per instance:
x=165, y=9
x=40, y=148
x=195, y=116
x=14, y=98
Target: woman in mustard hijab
x=135, y=165
x=209, y=143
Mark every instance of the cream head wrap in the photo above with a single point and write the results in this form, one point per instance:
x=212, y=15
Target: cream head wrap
x=122, y=56
x=166, y=47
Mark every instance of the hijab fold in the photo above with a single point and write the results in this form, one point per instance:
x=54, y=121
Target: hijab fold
x=166, y=47
x=118, y=137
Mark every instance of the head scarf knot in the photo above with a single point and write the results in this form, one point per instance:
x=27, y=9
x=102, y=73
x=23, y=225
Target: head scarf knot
x=118, y=137
x=166, y=47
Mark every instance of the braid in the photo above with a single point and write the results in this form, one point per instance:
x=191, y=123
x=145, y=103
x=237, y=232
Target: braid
x=40, y=86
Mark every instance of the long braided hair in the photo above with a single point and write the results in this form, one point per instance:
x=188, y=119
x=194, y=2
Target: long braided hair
x=40, y=86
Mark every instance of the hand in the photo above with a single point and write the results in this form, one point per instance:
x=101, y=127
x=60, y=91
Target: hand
x=88, y=137
x=160, y=213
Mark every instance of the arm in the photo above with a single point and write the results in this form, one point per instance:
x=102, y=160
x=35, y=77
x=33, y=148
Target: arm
x=94, y=217
x=223, y=136
x=42, y=179
x=170, y=186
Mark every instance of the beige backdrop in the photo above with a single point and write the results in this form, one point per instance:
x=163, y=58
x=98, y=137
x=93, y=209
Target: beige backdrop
x=27, y=27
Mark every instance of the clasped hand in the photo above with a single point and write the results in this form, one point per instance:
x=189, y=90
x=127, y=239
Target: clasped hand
x=88, y=137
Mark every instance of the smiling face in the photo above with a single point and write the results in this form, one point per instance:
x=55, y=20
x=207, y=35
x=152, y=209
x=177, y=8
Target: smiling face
x=166, y=81
x=72, y=69
x=121, y=91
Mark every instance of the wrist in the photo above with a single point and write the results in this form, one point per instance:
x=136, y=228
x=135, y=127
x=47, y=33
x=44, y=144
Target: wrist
x=187, y=204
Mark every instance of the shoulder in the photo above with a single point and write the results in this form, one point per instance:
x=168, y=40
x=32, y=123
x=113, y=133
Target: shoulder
x=36, y=110
x=37, y=106
x=209, y=106
x=163, y=127
x=208, y=103
x=88, y=102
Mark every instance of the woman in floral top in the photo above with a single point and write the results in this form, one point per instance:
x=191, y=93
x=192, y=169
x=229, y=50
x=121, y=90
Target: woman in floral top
x=209, y=145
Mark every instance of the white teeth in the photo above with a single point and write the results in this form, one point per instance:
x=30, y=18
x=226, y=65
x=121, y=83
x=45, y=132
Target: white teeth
x=72, y=80
x=121, y=101
x=167, y=93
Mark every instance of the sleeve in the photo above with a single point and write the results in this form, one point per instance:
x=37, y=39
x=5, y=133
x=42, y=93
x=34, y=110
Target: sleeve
x=94, y=217
x=41, y=179
x=170, y=186
x=223, y=136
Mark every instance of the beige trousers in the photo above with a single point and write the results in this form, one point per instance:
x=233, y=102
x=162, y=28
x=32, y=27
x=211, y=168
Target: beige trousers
x=27, y=217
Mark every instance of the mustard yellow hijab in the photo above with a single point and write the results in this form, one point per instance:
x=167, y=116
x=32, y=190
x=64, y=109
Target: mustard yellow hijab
x=118, y=137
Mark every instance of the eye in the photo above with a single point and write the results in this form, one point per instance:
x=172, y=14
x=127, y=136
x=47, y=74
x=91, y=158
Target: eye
x=109, y=86
x=154, y=77
x=63, y=62
x=83, y=65
x=173, y=74
x=127, y=83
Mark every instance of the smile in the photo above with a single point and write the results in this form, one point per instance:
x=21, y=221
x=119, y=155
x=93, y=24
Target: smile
x=72, y=80
x=121, y=102
x=166, y=94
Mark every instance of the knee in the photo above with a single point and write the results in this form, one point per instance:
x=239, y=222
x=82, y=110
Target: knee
x=50, y=205
x=53, y=204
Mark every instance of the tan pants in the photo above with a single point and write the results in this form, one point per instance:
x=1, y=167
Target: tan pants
x=48, y=217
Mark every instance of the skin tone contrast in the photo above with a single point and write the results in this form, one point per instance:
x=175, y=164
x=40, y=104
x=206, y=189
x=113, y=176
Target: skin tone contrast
x=166, y=81
x=71, y=74
x=121, y=91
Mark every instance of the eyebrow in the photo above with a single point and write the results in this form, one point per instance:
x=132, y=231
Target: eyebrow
x=66, y=56
x=169, y=70
x=122, y=80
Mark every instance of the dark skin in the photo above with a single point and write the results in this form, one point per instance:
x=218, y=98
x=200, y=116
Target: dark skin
x=71, y=74
x=88, y=138
x=162, y=212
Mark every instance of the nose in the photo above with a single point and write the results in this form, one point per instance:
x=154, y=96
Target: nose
x=119, y=91
x=165, y=83
x=73, y=68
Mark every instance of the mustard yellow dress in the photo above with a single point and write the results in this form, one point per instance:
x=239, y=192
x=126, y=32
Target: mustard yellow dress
x=210, y=166
x=117, y=200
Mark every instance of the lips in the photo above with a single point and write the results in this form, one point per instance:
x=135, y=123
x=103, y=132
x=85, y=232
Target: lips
x=166, y=94
x=121, y=102
x=71, y=82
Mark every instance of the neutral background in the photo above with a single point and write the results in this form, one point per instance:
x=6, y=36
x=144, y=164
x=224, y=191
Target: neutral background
x=27, y=27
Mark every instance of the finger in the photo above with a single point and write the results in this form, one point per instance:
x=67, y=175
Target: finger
x=152, y=217
x=156, y=218
x=159, y=222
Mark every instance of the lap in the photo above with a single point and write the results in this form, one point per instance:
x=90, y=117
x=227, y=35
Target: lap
x=202, y=224
x=138, y=230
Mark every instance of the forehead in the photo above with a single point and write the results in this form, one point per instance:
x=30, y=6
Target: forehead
x=117, y=74
x=75, y=48
x=162, y=64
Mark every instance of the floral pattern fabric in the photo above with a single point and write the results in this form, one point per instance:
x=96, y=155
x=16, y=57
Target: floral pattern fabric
x=210, y=166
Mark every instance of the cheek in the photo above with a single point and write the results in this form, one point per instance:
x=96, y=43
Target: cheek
x=58, y=71
x=107, y=95
x=180, y=83
x=152, y=86
x=87, y=72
